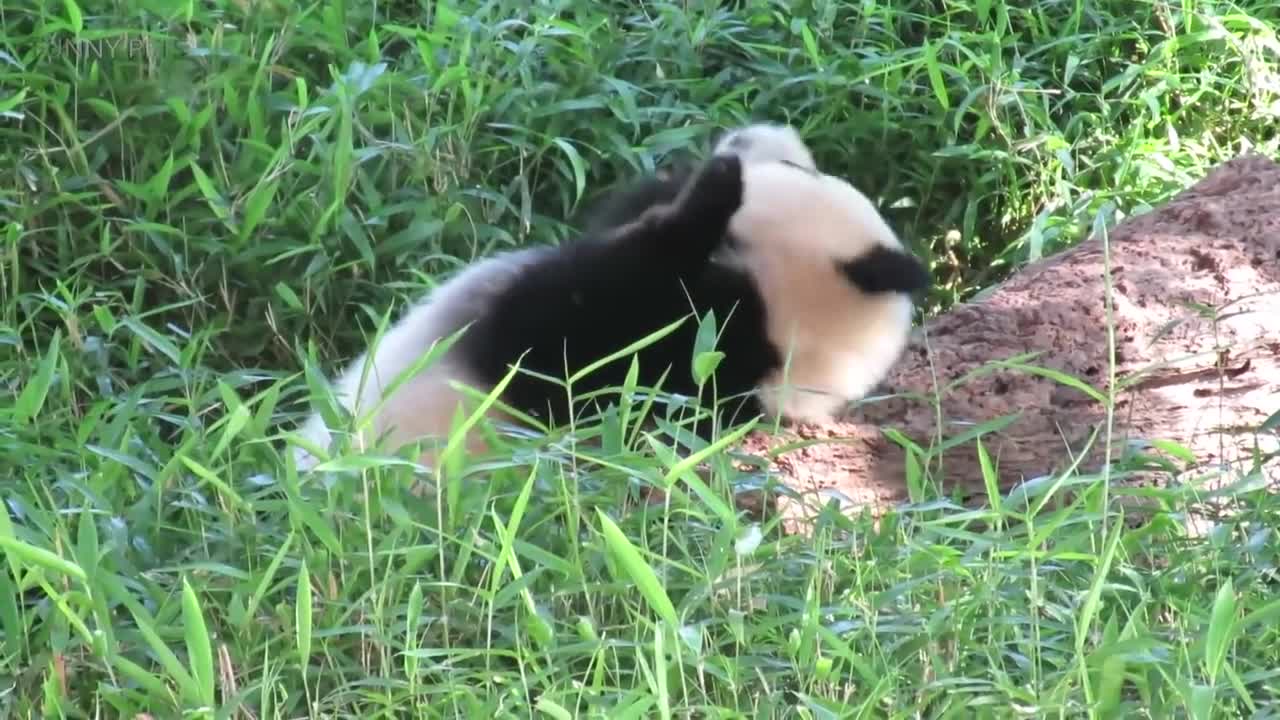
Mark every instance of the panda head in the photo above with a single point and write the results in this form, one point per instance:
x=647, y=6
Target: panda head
x=766, y=142
x=836, y=282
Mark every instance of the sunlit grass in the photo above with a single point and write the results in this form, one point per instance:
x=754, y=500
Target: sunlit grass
x=186, y=229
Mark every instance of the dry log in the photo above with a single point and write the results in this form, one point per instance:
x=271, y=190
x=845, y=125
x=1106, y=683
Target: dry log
x=1183, y=375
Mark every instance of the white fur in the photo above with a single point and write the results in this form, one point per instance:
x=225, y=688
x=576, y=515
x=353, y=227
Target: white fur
x=424, y=405
x=766, y=142
x=837, y=342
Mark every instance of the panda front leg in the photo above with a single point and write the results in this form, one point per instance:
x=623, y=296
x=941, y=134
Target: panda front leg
x=682, y=234
x=700, y=215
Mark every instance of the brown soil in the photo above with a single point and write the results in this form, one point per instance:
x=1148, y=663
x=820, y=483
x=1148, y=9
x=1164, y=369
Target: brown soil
x=1182, y=377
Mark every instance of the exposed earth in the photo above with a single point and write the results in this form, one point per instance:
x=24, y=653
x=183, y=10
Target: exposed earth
x=1182, y=376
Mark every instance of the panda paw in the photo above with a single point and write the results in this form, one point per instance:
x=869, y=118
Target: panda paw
x=714, y=194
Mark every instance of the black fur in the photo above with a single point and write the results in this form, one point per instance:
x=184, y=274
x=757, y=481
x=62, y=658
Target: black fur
x=886, y=270
x=623, y=204
x=621, y=282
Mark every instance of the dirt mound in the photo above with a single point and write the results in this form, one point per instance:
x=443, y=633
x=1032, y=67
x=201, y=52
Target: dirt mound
x=1196, y=310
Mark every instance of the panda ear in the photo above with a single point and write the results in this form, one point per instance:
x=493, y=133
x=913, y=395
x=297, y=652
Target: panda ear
x=886, y=270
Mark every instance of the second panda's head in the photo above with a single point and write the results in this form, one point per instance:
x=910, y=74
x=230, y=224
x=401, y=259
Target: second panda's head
x=757, y=142
x=836, y=282
x=766, y=142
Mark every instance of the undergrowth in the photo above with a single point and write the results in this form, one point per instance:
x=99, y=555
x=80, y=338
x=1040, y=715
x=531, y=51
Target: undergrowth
x=201, y=200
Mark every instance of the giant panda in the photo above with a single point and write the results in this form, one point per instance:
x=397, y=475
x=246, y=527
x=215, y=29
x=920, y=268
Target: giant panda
x=811, y=288
x=454, y=304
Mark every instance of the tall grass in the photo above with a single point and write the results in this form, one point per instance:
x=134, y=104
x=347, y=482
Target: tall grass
x=203, y=199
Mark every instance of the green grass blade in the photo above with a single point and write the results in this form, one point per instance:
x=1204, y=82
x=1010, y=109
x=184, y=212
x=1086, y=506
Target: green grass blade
x=302, y=616
x=33, y=395
x=1221, y=632
x=41, y=557
x=637, y=570
x=199, y=645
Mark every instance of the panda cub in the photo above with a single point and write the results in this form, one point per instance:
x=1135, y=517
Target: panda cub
x=812, y=291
